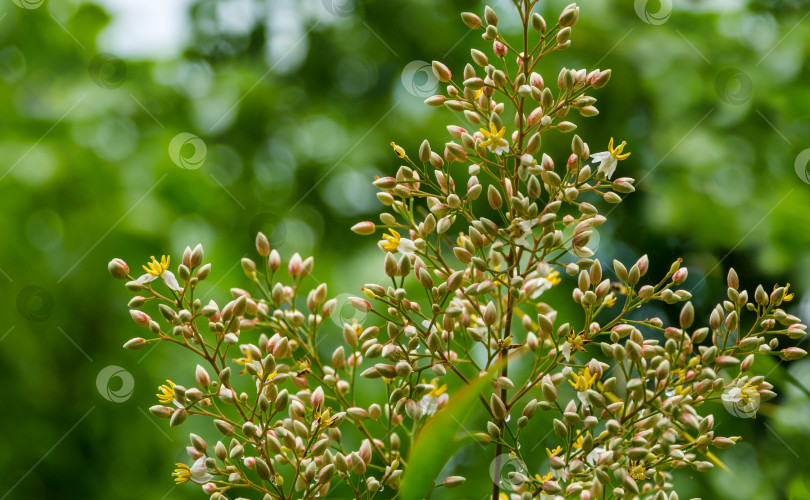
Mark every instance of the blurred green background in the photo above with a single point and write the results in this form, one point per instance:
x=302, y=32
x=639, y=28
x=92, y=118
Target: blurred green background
x=289, y=107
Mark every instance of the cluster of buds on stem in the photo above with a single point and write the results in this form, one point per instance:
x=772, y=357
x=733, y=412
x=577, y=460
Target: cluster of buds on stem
x=482, y=240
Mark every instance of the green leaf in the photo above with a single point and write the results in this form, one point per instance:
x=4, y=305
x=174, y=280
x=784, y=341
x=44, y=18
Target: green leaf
x=432, y=449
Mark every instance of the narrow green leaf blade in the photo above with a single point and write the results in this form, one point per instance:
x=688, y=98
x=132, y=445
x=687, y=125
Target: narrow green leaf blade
x=438, y=441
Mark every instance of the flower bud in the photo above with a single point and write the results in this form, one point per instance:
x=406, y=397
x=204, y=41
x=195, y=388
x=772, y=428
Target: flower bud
x=118, y=269
x=361, y=305
x=569, y=15
x=538, y=23
x=135, y=344
x=792, y=353
x=196, y=257
x=140, y=317
x=441, y=72
x=365, y=228
x=471, y=20
x=202, y=377
x=601, y=79
x=274, y=260
x=490, y=16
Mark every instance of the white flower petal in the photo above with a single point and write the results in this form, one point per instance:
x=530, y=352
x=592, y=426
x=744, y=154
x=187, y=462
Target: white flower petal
x=565, y=349
x=170, y=281
x=146, y=278
x=406, y=246
x=199, y=472
x=608, y=166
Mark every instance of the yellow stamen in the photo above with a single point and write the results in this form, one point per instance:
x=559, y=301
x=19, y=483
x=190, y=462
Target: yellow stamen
x=156, y=268
x=584, y=381
x=182, y=474
x=391, y=242
x=166, y=394
x=545, y=478
x=554, y=278
x=437, y=390
x=617, y=152
x=494, y=137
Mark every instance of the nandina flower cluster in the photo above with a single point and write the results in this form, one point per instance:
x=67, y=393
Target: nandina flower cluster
x=476, y=288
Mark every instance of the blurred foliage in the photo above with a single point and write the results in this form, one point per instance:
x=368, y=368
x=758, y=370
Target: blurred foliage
x=296, y=102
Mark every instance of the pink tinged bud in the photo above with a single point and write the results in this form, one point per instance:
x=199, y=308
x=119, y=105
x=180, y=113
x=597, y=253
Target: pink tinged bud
x=536, y=81
x=281, y=349
x=295, y=266
x=601, y=79
x=566, y=127
x=262, y=245
x=792, y=353
x=317, y=398
x=535, y=116
x=680, y=276
x=571, y=165
x=161, y=411
x=274, y=260
x=643, y=264
x=441, y=71
x=435, y=101
x=197, y=256
x=365, y=228
x=140, y=317
x=209, y=488
x=118, y=269
x=471, y=20
x=135, y=344
x=499, y=49
x=186, y=260
x=361, y=305
x=365, y=451
x=203, y=379
x=456, y=131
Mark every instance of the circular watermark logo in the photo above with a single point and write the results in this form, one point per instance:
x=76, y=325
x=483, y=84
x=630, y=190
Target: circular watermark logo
x=802, y=165
x=187, y=151
x=345, y=312
x=271, y=225
x=28, y=4
x=419, y=80
x=742, y=402
x=339, y=8
x=733, y=86
x=108, y=71
x=115, y=384
x=660, y=16
x=35, y=303
x=509, y=472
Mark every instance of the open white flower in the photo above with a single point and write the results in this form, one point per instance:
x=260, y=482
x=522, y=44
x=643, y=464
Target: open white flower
x=732, y=396
x=155, y=269
x=395, y=243
x=197, y=473
x=610, y=158
x=494, y=139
